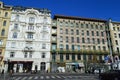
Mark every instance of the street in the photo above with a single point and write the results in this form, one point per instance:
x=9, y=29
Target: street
x=52, y=76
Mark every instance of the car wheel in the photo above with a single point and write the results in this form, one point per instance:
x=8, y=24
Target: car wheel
x=115, y=78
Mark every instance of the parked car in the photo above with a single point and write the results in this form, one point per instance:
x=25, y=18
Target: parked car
x=110, y=75
x=99, y=70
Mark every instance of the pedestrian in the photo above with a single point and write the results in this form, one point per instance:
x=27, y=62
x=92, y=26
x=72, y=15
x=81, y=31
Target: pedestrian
x=2, y=72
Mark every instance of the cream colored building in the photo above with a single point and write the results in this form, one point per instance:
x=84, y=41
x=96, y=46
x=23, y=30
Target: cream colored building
x=5, y=14
x=76, y=42
x=114, y=28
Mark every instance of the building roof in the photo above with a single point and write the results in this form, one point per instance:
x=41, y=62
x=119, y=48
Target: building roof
x=78, y=18
x=21, y=8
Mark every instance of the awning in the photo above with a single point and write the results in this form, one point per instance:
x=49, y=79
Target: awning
x=80, y=64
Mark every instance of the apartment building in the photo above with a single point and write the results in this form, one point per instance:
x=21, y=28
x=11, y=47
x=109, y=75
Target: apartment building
x=114, y=33
x=28, y=43
x=76, y=42
x=5, y=14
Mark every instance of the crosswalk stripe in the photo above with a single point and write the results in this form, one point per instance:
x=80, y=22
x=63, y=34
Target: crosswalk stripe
x=63, y=76
x=52, y=77
x=58, y=76
x=30, y=77
x=70, y=76
x=42, y=77
x=36, y=77
x=18, y=78
x=24, y=78
x=47, y=77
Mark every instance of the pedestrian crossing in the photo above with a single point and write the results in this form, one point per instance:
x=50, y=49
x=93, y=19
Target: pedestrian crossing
x=49, y=77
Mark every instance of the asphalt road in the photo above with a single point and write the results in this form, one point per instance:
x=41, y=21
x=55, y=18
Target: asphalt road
x=52, y=76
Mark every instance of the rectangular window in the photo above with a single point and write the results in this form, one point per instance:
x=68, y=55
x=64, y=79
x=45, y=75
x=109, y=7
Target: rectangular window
x=83, y=32
x=118, y=49
x=72, y=31
x=31, y=27
x=88, y=40
x=78, y=40
x=30, y=36
x=67, y=47
x=99, y=48
x=79, y=56
x=43, y=55
x=61, y=46
x=83, y=40
x=72, y=39
x=61, y=57
x=94, y=48
x=103, y=41
x=43, y=46
x=97, y=33
x=77, y=32
x=67, y=39
x=115, y=35
x=78, y=47
x=92, y=33
x=16, y=26
x=87, y=33
x=98, y=41
x=116, y=42
x=102, y=34
x=4, y=23
x=73, y=47
x=93, y=40
x=25, y=55
x=12, y=54
x=30, y=54
x=104, y=48
x=54, y=47
x=67, y=57
x=66, y=31
x=81, y=25
x=73, y=57
x=53, y=56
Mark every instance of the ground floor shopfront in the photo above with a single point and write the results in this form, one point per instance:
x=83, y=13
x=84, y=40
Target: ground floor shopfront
x=26, y=66
x=67, y=67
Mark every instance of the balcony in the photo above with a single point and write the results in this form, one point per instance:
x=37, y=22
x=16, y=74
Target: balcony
x=44, y=30
x=31, y=22
x=54, y=40
x=30, y=31
x=29, y=39
x=28, y=49
x=54, y=32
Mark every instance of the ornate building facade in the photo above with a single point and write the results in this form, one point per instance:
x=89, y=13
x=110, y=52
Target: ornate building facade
x=28, y=43
x=76, y=42
x=5, y=14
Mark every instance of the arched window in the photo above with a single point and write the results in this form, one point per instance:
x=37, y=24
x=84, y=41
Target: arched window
x=31, y=19
x=15, y=35
x=3, y=32
x=6, y=14
x=17, y=16
x=4, y=23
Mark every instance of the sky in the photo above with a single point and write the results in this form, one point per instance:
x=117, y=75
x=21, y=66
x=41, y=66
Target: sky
x=101, y=9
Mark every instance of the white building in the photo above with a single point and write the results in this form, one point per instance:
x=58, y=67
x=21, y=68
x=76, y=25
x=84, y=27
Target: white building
x=28, y=44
